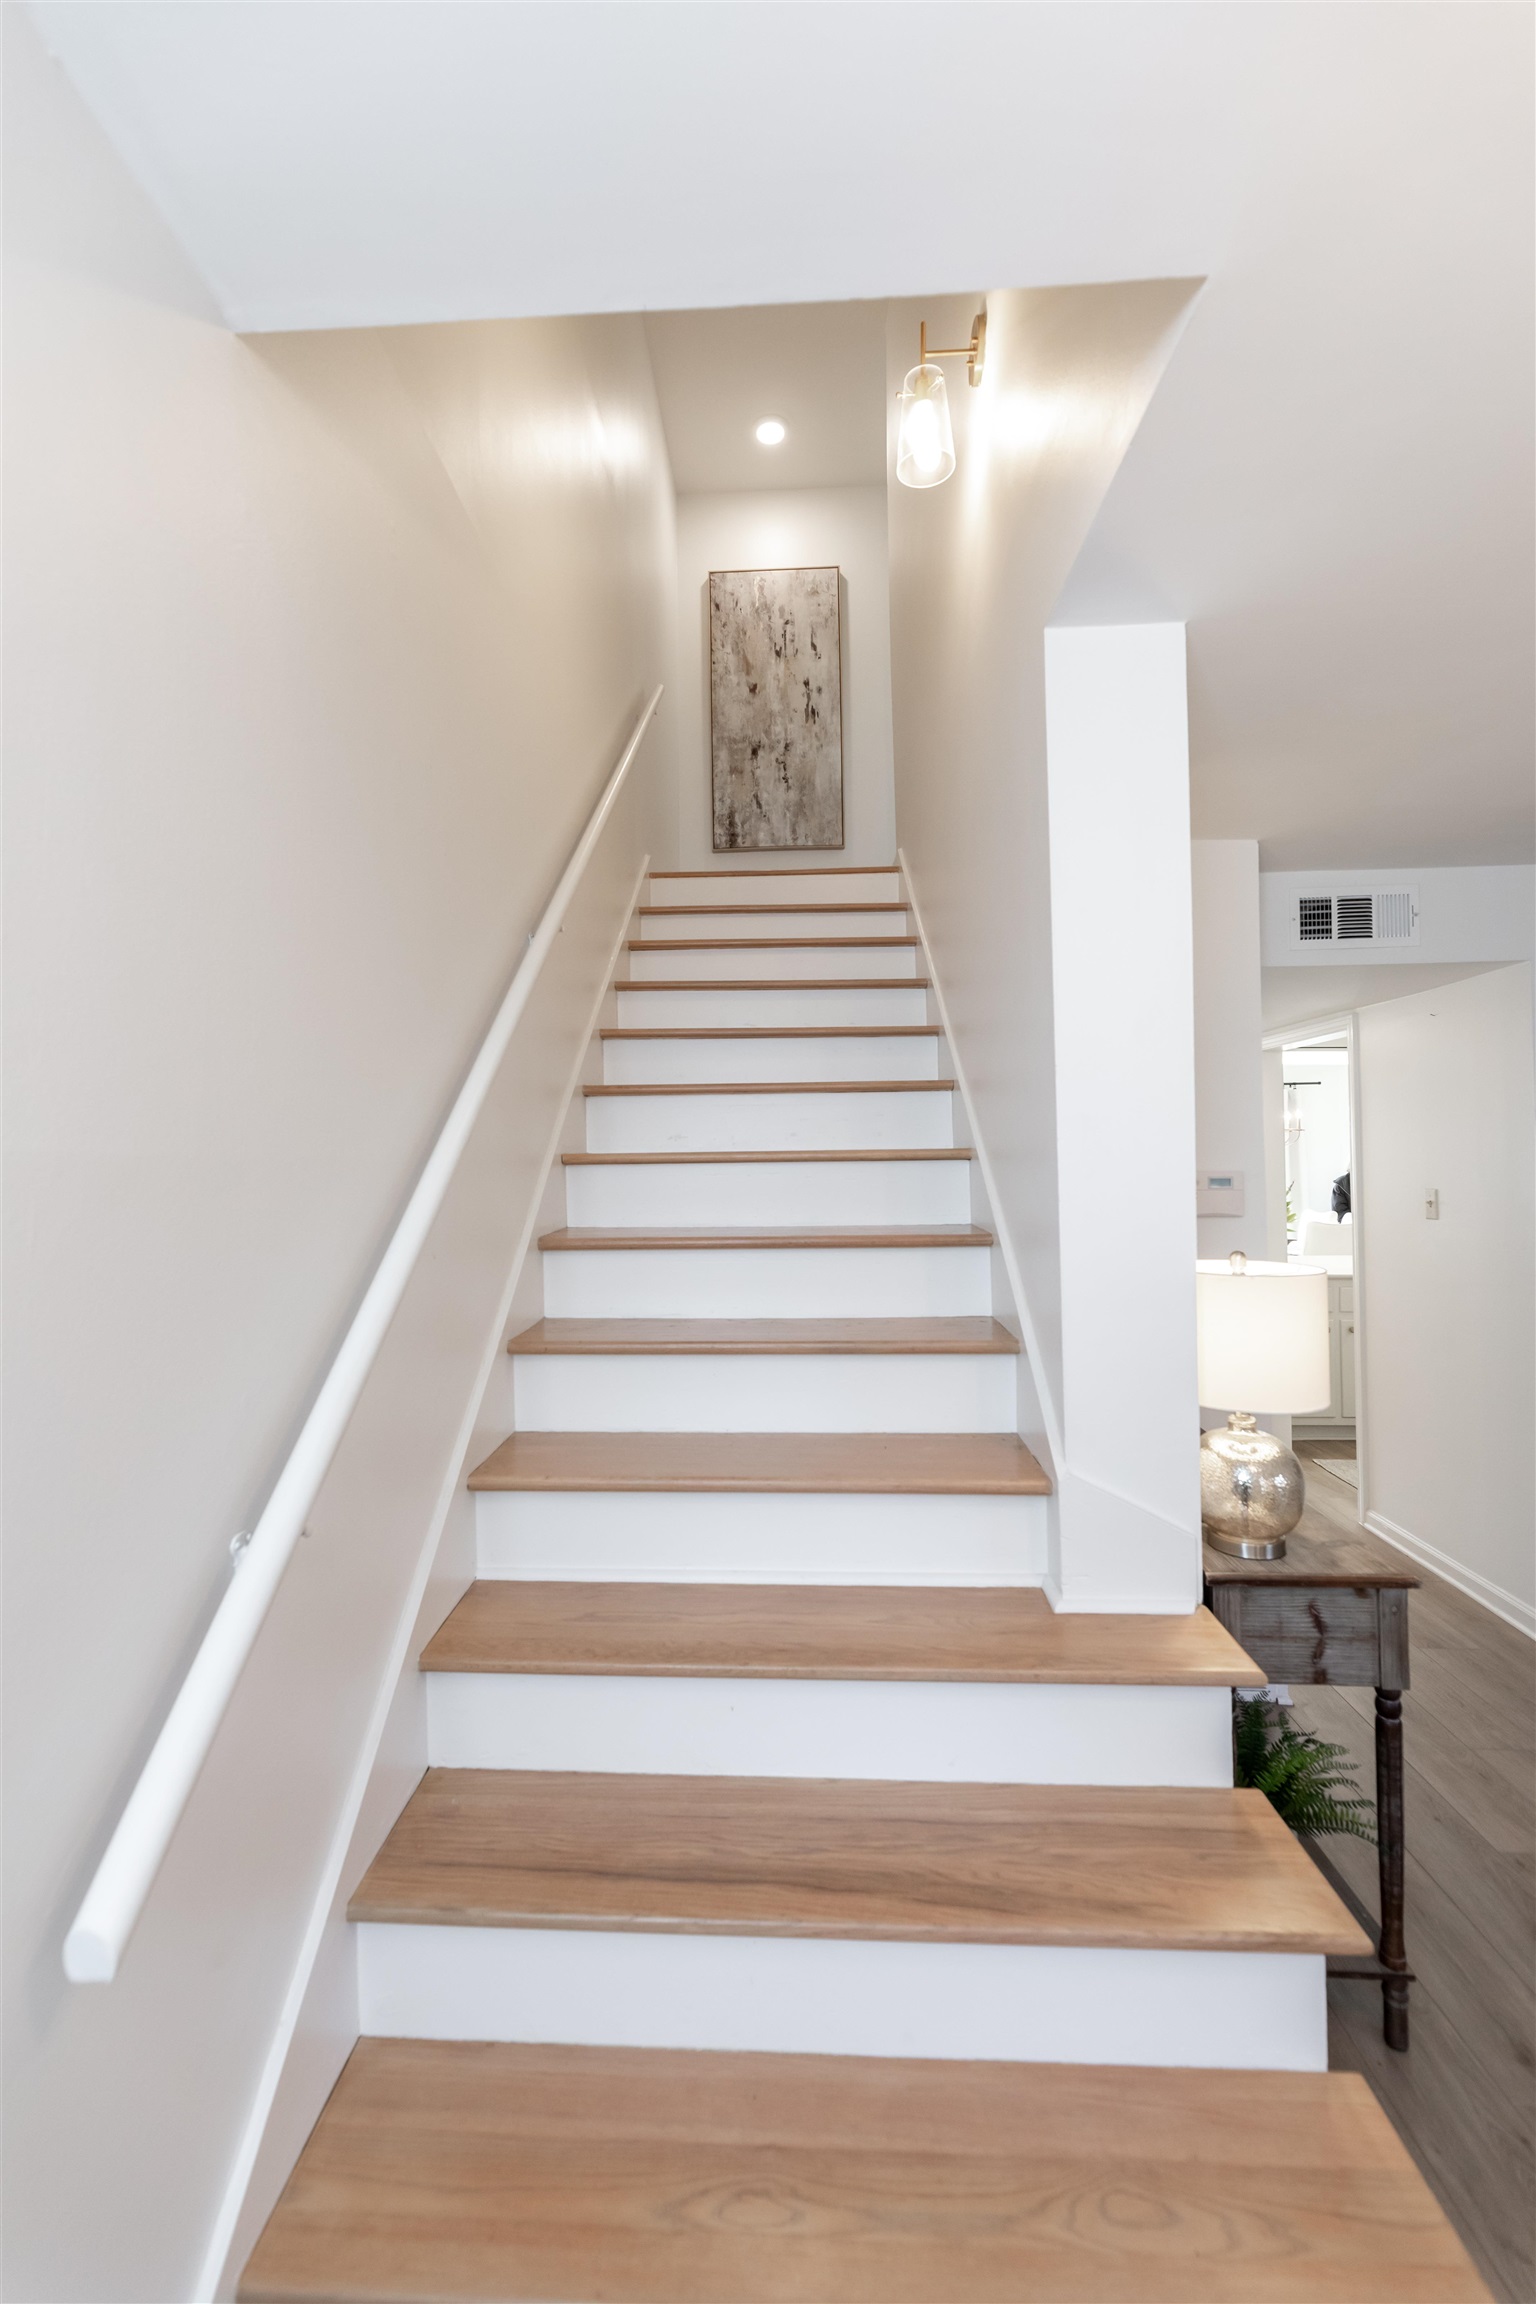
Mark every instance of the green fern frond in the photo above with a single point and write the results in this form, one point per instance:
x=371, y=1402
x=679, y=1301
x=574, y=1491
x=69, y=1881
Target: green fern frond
x=1300, y=1775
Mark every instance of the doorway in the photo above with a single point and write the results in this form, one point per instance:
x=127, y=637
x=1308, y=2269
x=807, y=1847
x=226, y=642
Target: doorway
x=1321, y=1191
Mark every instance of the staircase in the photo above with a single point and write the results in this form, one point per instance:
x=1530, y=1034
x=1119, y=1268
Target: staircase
x=795, y=1905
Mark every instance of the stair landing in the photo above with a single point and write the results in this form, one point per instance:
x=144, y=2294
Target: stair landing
x=442, y=2171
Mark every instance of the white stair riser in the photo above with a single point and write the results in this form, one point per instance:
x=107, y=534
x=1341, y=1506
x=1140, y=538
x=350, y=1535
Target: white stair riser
x=742, y=1006
x=778, y=1392
x=904, y=1056
x=862, y=1119
x=631, y=1537
x=775, y=961
x=765, y=1283
x=1031, y=2003
x=705, y=927
x=899, y=1732
x=850, y=887
x=772, y=1192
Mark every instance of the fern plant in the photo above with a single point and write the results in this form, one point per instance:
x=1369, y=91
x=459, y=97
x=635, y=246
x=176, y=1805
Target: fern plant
x=1300, y=1775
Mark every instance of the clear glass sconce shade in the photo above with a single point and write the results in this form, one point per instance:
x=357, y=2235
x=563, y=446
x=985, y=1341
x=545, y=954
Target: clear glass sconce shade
x=925, y=438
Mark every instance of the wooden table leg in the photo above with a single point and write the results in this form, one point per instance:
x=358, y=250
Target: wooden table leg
x=1389, y=1848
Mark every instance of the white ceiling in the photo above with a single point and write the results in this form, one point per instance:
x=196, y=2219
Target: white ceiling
x=820, y=368
x=1333, y=485
x=1302, y=996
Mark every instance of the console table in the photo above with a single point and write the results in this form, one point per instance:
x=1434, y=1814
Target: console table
x=1335, y=1609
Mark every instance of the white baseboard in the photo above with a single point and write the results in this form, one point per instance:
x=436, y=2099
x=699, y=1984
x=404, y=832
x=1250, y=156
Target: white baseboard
x=1491, y=1596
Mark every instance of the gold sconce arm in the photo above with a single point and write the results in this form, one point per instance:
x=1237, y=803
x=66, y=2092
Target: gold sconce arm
x=973, y=354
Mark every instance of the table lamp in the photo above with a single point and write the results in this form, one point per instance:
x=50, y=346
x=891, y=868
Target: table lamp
x=1263, y=1349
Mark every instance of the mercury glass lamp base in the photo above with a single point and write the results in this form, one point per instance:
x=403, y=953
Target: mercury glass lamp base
x=1244, y=1547
x=1251, y=1490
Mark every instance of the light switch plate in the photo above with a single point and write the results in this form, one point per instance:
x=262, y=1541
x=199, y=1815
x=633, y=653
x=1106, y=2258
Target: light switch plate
x=1219, y=1192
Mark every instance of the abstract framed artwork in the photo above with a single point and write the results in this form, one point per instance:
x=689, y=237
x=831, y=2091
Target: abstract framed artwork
x=776, y=708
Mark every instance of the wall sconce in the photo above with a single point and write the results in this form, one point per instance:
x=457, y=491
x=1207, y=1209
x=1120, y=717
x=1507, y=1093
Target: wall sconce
x=925, y=437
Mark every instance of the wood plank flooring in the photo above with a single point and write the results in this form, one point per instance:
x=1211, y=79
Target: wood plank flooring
x=1100, y=1865
x=1464, y=2097
x=480, y=2171
x=836, y=1632
x=768, y=1463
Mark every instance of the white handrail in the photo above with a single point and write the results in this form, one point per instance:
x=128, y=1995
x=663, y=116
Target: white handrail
x=116, y=1896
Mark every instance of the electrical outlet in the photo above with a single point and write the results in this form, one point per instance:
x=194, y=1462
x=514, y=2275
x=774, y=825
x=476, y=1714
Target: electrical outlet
x=1431, y=1207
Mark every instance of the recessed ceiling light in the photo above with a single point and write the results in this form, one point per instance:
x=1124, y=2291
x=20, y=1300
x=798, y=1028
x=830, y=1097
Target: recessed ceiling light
x=770, y=432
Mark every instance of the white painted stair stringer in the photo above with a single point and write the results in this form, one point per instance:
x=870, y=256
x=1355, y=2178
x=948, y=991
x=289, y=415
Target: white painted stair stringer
x=1039, y=1422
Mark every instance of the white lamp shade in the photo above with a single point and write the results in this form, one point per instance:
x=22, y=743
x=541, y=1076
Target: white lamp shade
x=1263, y=1338
x=925, y=438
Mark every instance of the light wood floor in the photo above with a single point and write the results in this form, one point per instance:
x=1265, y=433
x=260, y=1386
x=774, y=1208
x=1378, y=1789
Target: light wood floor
x=1464, y=2097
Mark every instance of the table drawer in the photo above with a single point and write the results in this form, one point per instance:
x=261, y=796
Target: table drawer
x=1315, y=1632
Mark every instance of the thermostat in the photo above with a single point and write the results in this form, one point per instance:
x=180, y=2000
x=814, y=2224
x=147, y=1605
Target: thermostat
x=1219, y=1192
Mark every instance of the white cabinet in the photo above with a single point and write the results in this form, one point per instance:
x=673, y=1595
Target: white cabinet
x=1341, y=1359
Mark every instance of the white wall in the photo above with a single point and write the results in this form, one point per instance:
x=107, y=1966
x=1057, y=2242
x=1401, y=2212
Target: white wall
x=801, y=528
x=976, y=566
x=1117, y=740
x=1466, y=912
x=319, y=652
x=1449, y=1364
x=1229, y=1087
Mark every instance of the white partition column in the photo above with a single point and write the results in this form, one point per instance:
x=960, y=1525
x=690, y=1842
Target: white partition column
x=1128, y=1535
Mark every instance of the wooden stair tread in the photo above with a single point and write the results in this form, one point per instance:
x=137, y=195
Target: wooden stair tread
x=769, y=1032
x=772, y=1088
x=773, y=984
x=597, y=1236
x=1091, y=1865
x=665, y=1159
x=967, y=1333
x=474, y=2170
x=835, y=1632
x=772, y=872
x=830, y=904
x=772, y=1463
x=768, y=943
